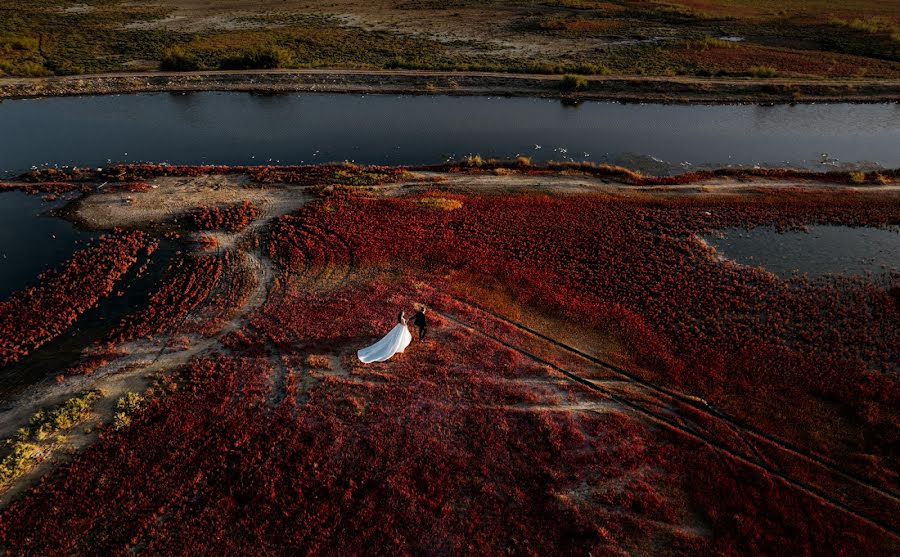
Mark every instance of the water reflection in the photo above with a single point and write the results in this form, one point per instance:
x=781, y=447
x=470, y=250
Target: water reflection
x=822, y=250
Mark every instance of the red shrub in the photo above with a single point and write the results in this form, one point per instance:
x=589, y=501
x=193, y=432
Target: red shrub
x=189, y=283
x=628, y=268
x=233, y=218
x=33, y=316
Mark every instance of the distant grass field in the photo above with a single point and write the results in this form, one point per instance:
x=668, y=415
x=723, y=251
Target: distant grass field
x=777, y=9
x=793, y=38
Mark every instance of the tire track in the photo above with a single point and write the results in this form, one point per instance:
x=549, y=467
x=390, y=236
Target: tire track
x=674, y=425
x=698, y=404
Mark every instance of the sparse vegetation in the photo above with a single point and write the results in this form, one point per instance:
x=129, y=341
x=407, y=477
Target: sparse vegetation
x=763, y=71
x=25, y=448
x=126, y=407
x=259, y=58
x=573, y=83
x=649, y=38
x=178, y=60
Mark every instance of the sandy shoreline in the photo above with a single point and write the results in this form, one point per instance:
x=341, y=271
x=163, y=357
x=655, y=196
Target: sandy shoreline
x=625, y=89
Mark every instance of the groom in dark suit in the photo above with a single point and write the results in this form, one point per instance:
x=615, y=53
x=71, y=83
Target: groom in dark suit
x=421, y=322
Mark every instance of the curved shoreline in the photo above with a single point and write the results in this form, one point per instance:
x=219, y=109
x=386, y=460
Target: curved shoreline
x=675, y=90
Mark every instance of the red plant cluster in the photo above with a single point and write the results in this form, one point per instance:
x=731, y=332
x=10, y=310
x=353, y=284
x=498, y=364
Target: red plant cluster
x=89, y=363
x=744, y=57
x=36, y=315
x=438, y=452
x=50, y=188
x=231, y=293
x=734, y=335
x=233, y=218
x=325, y=174
x=466, y=443
x=189, y=283
x=441, y=456
x=127, y=187
x=752, y=513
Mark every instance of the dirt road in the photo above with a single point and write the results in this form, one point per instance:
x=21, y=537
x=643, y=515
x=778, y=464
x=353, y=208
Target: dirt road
x=678, y=89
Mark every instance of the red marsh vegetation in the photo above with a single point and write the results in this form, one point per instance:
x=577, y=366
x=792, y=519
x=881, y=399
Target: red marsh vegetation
x=40, y=313
x=595, y=381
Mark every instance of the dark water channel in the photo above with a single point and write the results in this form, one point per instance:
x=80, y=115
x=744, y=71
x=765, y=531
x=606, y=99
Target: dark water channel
x=244, y=128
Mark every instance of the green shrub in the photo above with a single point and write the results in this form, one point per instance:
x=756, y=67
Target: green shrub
x=680, y=11
x=858, y=177
x=577, y=4
x=18, y=461
x=711, y=42
x=64, y=416
x=22, y=68
x=10, y=42
x=260, y=58
x=127, y=406
x=763, y=71
x=24, y=453
x=473, y=160
x=873, y=25
x=176, y=59
x=585, y=68
x=571, y=83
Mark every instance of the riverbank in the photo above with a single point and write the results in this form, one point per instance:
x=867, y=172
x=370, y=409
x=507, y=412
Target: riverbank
x=624, y=89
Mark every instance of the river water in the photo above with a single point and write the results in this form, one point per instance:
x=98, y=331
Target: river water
x=294, y=128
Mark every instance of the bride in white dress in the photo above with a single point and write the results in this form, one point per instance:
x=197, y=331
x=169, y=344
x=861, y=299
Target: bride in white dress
x=392, y=343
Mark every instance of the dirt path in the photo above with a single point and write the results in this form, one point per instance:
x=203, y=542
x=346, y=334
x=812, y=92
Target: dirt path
x=573, y=184
x=636, y=88
x=145, y=359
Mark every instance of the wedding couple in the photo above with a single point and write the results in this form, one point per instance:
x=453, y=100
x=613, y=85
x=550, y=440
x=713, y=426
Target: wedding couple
x=396, y=340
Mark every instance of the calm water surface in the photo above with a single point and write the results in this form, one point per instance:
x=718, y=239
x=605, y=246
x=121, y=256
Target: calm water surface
x=823, y=250
x=31, y=241
x=242, y=128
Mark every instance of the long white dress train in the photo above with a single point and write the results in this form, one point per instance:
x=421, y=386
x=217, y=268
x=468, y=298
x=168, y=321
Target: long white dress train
x=392, y=343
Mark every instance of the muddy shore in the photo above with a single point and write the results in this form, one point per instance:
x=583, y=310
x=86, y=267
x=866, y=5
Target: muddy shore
x=624, y=89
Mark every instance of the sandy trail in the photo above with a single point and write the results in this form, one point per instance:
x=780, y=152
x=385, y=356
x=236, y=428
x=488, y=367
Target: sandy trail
x=573, y=184
x=144, y=360
x=665, y=89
